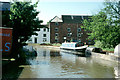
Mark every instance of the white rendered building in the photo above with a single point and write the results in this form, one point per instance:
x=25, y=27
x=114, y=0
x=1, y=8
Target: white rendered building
x=42, y=37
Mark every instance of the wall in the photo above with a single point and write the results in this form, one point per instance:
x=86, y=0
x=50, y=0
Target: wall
x=40, y=36
x=62, y=32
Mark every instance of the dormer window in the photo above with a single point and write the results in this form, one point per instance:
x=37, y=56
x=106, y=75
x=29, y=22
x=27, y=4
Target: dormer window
x=72, y=17
x=82, y=17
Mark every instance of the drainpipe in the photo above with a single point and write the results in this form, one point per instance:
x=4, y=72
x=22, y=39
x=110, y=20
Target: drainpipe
x=77, y=32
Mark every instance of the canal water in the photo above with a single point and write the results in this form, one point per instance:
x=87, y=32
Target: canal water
x=54, y=63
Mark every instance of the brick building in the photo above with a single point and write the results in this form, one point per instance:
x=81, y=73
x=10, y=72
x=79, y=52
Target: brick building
x=68, y=28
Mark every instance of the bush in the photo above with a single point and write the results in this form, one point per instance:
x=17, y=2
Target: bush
x=99, y=44
x=56, y=44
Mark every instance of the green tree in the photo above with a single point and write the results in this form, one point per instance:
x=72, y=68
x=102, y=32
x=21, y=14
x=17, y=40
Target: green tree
x=112, y=10
x=105, y=26
x=24, y=23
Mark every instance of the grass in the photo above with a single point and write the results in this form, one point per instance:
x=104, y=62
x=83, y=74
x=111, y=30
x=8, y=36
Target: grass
x=56, y=44
x=108, y=49
x=49, y=44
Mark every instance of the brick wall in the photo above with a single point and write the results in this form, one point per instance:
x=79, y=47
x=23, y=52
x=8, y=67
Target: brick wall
x=63, y=32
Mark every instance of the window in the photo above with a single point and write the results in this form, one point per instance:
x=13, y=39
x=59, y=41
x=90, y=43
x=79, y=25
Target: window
x=79, y=34
x=56, y=23
x=68, y=35
x=68, y=29
x=44, y=35
x=79, y=29
x=56, y=34
x=35, y=40
x=56, y=29
x=44, y=39
x=44, y=29
x=56, y=40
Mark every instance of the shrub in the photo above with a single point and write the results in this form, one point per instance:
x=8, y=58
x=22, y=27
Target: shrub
x=99, y=44
x=56, y=44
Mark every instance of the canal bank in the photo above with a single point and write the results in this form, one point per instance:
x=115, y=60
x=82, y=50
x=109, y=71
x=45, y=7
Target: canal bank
x=109, y=56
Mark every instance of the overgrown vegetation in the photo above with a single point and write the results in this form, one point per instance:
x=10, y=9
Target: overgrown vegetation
x=105, y=26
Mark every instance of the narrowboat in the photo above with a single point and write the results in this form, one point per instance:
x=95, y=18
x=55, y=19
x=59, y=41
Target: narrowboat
x=77, y=46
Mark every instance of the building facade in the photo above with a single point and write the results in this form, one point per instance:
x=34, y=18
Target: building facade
x=42, y=37
x=68, y=28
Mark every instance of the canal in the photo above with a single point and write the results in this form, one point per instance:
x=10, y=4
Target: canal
x=54, y=63
x=51, y=63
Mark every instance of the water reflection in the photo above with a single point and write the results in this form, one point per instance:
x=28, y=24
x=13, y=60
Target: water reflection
x=56, y=64
x=55, y=53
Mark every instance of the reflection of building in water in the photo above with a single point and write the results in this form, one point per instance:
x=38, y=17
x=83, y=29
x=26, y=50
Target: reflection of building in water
x=44, y=53
x=68, y=57
x=54, y=53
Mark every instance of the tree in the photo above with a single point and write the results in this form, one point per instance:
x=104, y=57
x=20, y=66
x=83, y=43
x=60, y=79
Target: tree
x=24, y=22
x=105, y=26
x=112, y=10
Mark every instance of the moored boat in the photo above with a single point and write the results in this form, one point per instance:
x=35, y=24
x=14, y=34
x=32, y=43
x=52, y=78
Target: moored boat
x=77, y=46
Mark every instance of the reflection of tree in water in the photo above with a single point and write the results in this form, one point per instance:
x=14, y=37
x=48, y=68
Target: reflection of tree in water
x=54, y=53
x=44, y=53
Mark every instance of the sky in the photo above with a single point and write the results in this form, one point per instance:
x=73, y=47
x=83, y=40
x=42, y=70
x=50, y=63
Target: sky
x=50, y=8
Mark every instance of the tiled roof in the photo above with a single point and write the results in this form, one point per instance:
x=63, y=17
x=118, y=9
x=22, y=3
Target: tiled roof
x=74, y=18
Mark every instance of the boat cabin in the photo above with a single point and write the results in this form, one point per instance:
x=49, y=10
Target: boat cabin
x=73, y=45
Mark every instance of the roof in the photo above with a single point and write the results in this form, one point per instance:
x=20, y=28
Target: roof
x=74, y=18
x=4, y=6
x=56, y=19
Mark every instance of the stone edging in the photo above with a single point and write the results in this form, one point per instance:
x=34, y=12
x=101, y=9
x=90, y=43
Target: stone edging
x=106, y=56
